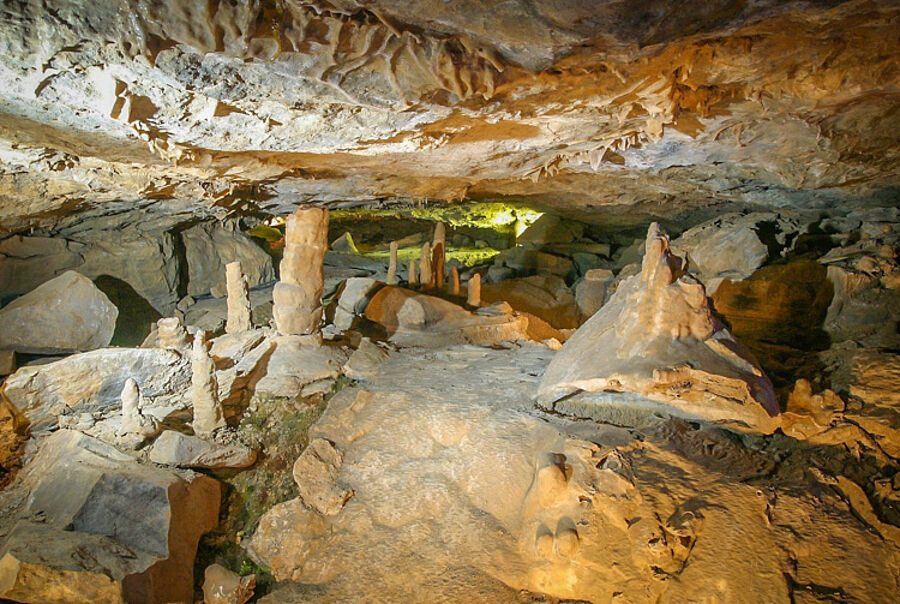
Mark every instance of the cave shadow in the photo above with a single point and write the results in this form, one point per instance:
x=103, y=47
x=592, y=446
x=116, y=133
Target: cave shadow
x=136, y=314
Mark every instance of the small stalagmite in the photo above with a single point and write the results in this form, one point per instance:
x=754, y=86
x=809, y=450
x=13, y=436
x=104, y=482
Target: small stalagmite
x=208, y=414
x=298, y=295
x=413, y=279
x=134, y=423
x=238, y=299
x=171, y=334
x=426, y=277
x=392, y=266
x=454, y=281
x=438, y=249
x=473, y=295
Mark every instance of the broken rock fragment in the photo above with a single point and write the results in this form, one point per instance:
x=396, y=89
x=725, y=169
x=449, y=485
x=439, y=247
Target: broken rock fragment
x=316, y=473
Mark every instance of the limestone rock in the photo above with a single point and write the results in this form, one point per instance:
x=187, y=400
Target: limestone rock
x=66, y=314
x=473, y=290
x=96, y=526
x=92, y=382
x=296, y=362
x=413, y=319
x=177, y=449
x=316, y=473
x=221, y=586
x=875, y=374
x=545, y=296
x=7, y=362
x=550, y=228
x=297, y=296
x=26, y=262
x=171, y=334
x=523, y=261
x=351, y=301
x=592, y=291
x=392, y=265
x=657, y=338
x=209, y=246
x=365, y=360
x=344, y=244
x=136, y=427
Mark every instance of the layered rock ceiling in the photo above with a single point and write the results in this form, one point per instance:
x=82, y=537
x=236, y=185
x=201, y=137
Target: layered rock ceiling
x=588, y=107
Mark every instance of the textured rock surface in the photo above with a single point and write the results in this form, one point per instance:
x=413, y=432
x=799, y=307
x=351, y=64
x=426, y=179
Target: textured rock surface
x=469, y=494
x=657, y=338
x=177, y=449
x=87, y=522
x=92, y=382
x=567, y=104
x=66, y=314
x=209, y=247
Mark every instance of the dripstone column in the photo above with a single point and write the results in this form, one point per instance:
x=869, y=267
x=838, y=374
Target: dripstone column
x=298, y=294
x=238, y=299
x=392, y=266
x=473, y=294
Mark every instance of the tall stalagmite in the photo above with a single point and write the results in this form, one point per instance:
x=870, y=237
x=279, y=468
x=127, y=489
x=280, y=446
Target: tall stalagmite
x=238, y=299
x=426, y=277
x=298, y=295
x=392, y=266
x=208, y=414
x=438, y=247
x=473, y=294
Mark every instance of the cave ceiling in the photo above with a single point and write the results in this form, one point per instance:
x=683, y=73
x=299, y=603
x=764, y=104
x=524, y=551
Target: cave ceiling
x=591, y=108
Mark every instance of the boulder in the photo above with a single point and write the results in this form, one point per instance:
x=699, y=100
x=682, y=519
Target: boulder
x=316, y=473
x=657, y=341
x=414, y=319
x=344, y=244
x=550, y=228
x=733, y=246
x=95, y=526
x=66, y=314
x=351, y=301
x=545, y=296
x=209, y=246
x=92, y=383
x=177, y=449
x=365, y=360
x=221, y=586
x=525, y=261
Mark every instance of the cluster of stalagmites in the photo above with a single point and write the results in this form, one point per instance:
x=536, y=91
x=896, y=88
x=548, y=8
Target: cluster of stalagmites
x=653, y=347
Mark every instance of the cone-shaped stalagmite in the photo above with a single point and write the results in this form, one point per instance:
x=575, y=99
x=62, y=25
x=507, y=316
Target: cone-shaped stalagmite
x=454, y=281
x=238, y=299
x=298, y=294
x=473, y=295
x=208, y=414
x=426, y=277
x=392, y=266
x=134, y=423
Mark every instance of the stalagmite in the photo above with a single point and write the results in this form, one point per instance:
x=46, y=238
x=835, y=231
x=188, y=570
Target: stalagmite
x=298, y=295
x=134, y=423
x=438, y=247
x=238, y=299
x=171, y=334
x=413, y=279
x=426, y=277
x=208, y=414
x=473, y=296
x=392, y=266
x=454, y=281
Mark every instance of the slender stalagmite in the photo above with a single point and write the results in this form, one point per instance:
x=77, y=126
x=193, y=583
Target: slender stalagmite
x=454, y=281
x=298, y=294
x=438, y=247
x=426, y=277
x=473, y=296
x=208, y=414
x=238, y=299
x=413, y=279
x=392, y=266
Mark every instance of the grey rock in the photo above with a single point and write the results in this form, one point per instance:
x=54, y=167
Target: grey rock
x=66, y=314
x=209, y=246
x=177, y=449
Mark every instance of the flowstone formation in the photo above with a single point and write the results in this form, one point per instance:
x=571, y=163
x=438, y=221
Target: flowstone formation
x=657, y=338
